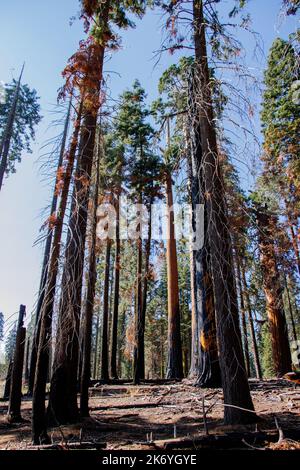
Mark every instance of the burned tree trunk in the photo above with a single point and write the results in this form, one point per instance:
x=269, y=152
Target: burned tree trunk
x=63, y=392
x=243, y=314
x=139, y=349
x=46, y=258
x=63, y=405
x=120, y=341
x=137, y=372
x=252, y=330
x=96, y=356
x=194, y=321
x=26, y=364
x=8, y=380
x=89, y=306
x=15, y=396
x=233, y=373
x=39, y=424
x=273, y=292
x=114, y=333
x=209, y=374
x=104, y=347
x=204, y=358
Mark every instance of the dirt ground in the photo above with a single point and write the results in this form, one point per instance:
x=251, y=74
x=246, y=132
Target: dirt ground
x=152, y=416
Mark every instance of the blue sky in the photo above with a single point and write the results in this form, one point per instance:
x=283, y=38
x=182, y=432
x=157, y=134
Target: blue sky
x=39, y=33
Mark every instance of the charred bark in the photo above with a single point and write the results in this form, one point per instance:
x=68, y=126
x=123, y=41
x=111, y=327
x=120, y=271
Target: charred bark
x=114, y=334
x=104, y=347
x=137, y=362
x=89, y=306
x=39, y=421
x=139, y=350
x=233, y=373
x=204, y=359
x=15, y=396
x=243, y=314
x=46, y=258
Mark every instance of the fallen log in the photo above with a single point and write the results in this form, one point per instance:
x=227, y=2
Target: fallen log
x=70, y=446
x=130, y=382
x=129, y=406
x=227, y=441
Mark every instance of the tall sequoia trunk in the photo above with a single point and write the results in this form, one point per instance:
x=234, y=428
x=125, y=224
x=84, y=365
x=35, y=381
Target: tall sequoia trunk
x=89, y=306
x=104, y=347
x=39, y=422
x=139, y=349
x=63, y=407
x=292, y=226
x=295, y=246
x=273, y=292
x=174, y=367
x=46, y=258
x=243, y=313
x=8, y=131
x=251, y=323
x=232, y=365
x=204, y=358
x=114, y=333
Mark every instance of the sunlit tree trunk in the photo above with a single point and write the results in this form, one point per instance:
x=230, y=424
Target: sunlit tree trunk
x=174, y=366
x=291, y=226
x=273, y=292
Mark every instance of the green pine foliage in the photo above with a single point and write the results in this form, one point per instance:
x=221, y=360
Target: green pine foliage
x=1, y=326
x=266, y=353
x=27, y=118
x=10, y=344
x=280, y=116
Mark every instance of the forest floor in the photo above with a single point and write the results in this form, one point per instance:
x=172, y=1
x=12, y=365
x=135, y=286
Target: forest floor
x=170, y=416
